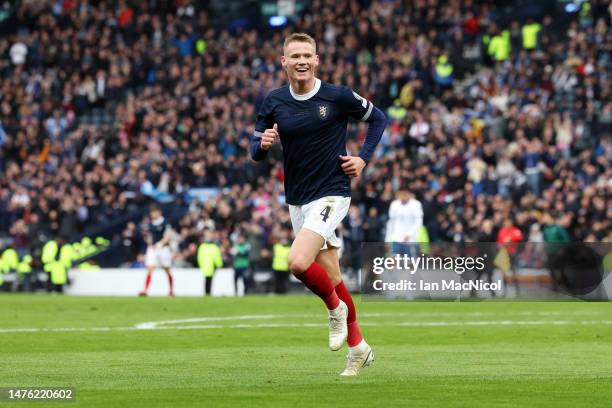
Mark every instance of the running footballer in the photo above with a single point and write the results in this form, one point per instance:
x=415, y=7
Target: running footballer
x=310, y=117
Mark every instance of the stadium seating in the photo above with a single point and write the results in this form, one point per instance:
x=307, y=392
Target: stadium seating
x=117, y=105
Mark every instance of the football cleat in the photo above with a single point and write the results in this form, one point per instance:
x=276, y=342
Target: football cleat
x=356, y=361
x=338, y=331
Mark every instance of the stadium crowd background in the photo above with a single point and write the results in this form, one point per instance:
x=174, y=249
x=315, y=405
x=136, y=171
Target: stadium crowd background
x=106, y=107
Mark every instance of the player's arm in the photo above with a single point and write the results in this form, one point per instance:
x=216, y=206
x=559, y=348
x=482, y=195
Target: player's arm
x=266, y=132
x=359, y=108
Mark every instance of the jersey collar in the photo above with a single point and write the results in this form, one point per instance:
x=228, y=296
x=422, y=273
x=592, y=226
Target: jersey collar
x=308, y=95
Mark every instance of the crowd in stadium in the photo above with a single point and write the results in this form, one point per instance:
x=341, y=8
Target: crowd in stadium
x=492, y=121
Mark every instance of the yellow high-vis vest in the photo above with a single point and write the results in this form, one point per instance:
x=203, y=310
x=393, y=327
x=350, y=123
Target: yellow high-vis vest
x=49, y=251
x=530, y=35
x=10, y=260
x=67, y=256
x=25, y=266
x=209, y=258
x=58, y=272
x=443, y=68
x=499, y=47
x=280, y=257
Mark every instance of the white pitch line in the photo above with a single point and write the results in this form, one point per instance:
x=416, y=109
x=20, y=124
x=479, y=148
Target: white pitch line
x=158, y=323
x=149, y=325
x=61, y=329
x=293, y=325
x=505, y=323
x=461, y=314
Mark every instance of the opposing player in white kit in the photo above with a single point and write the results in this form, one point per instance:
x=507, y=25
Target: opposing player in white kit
x=310, y=117
x=405, y=220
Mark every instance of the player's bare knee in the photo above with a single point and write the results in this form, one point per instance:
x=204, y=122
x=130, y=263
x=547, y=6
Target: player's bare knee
x=298, y=264
x=298, y=267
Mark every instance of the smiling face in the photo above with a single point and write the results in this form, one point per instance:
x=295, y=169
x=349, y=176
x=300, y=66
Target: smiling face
x=300, y=61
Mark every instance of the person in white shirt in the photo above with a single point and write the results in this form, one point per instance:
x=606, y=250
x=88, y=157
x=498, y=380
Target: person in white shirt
x=405, y=219
x=18, y=53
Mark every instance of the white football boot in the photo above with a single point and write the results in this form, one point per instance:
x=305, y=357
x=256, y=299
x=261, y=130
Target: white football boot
x=338, y=331
x=358, y=358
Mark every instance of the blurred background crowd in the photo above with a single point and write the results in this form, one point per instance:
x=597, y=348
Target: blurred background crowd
x=499, y=113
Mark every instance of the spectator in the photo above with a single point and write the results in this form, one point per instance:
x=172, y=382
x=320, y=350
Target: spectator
x=353, y=238
x=209, y=259
x=405, y=219
x=280, y=262
x=373, y=226
x=137, y=107
x=240, y=253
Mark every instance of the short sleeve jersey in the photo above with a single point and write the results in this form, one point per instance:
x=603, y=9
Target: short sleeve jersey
x=312, y=129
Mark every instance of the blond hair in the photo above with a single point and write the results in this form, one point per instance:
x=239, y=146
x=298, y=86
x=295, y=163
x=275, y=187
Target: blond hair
x=300, y=37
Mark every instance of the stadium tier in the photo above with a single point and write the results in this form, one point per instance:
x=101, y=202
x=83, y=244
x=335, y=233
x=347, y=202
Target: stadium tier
x=499, y=120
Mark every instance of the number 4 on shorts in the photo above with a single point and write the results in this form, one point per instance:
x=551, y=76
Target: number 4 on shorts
x=325, y=213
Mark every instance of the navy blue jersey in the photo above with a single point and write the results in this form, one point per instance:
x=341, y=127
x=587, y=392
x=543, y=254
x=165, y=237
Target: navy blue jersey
x=312, y=129
x=156, y=229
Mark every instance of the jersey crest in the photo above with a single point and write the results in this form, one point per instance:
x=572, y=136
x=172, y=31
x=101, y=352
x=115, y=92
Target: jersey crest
x=323, y=111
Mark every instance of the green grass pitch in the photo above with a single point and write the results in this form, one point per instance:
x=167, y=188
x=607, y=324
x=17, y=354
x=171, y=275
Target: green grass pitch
x=272, y=351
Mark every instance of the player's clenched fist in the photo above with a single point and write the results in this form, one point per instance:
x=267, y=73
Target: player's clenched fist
x=269, y=137
x=352, y=165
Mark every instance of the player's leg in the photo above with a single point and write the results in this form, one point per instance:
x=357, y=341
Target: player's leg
x=360, y=353
x=150, y=261
x=328, y=258
x=302, y=254
x=170, y=281
x=147, y=281
x=166, y=261
x=311, y=223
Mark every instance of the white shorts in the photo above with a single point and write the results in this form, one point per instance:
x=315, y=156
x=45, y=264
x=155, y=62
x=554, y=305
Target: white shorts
x=158, y=257
x=321, y=216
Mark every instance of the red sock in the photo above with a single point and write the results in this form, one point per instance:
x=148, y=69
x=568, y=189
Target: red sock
x=315, y=278
x=170, y=283
x=147, y=281
x=354, y=333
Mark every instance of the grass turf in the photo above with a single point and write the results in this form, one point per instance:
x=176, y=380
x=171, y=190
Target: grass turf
x=474, y=354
